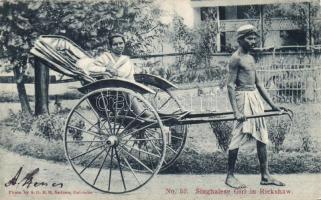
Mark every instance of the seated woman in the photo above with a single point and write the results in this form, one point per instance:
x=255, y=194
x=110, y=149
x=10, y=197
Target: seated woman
x=113, y=64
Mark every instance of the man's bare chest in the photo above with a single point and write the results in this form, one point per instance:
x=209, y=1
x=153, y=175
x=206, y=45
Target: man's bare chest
x=247, y=64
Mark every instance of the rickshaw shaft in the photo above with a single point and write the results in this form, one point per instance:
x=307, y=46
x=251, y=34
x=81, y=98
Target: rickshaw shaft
x=208, y=119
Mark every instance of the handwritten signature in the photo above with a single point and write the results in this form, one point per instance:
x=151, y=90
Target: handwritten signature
x=28, y=180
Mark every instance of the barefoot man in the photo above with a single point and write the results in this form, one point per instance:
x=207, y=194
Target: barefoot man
x=244, y=90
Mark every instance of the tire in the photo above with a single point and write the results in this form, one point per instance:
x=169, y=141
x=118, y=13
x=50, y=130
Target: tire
x=110, y=146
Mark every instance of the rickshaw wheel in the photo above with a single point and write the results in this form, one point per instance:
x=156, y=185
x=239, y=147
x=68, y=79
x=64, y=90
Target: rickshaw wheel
x=112, y=146
x=165, y=102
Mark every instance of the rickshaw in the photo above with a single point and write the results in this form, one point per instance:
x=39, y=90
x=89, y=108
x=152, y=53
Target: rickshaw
x=112, y=147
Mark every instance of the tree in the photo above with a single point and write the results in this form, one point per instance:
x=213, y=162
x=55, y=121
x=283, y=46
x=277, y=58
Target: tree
x=304, y=15
x=14, y=49
x=41, y=87
x=201, y=43
x=85, y=22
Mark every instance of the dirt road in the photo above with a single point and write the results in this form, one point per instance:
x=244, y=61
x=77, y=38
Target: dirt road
x=163, y=186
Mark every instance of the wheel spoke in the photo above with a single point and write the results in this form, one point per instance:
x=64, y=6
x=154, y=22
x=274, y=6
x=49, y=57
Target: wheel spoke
x=135, y=131
x=86, y=152
x=156, y=148
x=87, y=149
x=120, y=169
x=171, y=135
x=140, y=150
x=149, y=157
x=101, y=166
x=92, y=124
x=123, y=119
x=176, y=111
x=130, y=151
x=89, y=132
x=111, y=167
x=99, y=128
x=83, y=141
x=156, y=93
x=103, y=125
x=170, y=148
x=91, y=107
x=127, y=140
x=93, y=139
x=164, y=103
x=177, y=137
x=105, y=106
x=140, y=162
x=142, y=139
x=91, y=162
x=131, y=169
x=116, y=114
x=154, y=131
x=130, y=123
x=151, y=135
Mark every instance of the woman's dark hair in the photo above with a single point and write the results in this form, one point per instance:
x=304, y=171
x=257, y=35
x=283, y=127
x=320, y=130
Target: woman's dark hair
x=115, y=35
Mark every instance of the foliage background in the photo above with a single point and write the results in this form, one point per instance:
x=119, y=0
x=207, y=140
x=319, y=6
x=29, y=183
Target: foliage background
x=87, y=23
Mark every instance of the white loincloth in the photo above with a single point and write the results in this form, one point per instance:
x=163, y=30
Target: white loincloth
x=249, y=103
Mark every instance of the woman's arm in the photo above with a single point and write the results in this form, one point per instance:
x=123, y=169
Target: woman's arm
x=98, y=66
x=90, y=65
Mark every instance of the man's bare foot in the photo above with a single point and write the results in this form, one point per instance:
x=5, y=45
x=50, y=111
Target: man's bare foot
x=233, y=182
x=271, y=181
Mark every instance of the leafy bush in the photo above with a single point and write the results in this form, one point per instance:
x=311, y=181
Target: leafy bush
x=302, y=122
x=50, y=127
x=20, y=121
x=278, y=128
x=223, y=133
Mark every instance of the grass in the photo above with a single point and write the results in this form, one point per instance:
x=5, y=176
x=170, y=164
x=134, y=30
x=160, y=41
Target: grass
x=190, y=161
x=31, y=145
x=13, y=96
x=247, y=163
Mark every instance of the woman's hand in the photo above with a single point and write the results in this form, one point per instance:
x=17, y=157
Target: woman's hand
x=112, y=71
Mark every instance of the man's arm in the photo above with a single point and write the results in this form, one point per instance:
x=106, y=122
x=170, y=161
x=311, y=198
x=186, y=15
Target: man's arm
x=265, y=95
x=233, y=70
